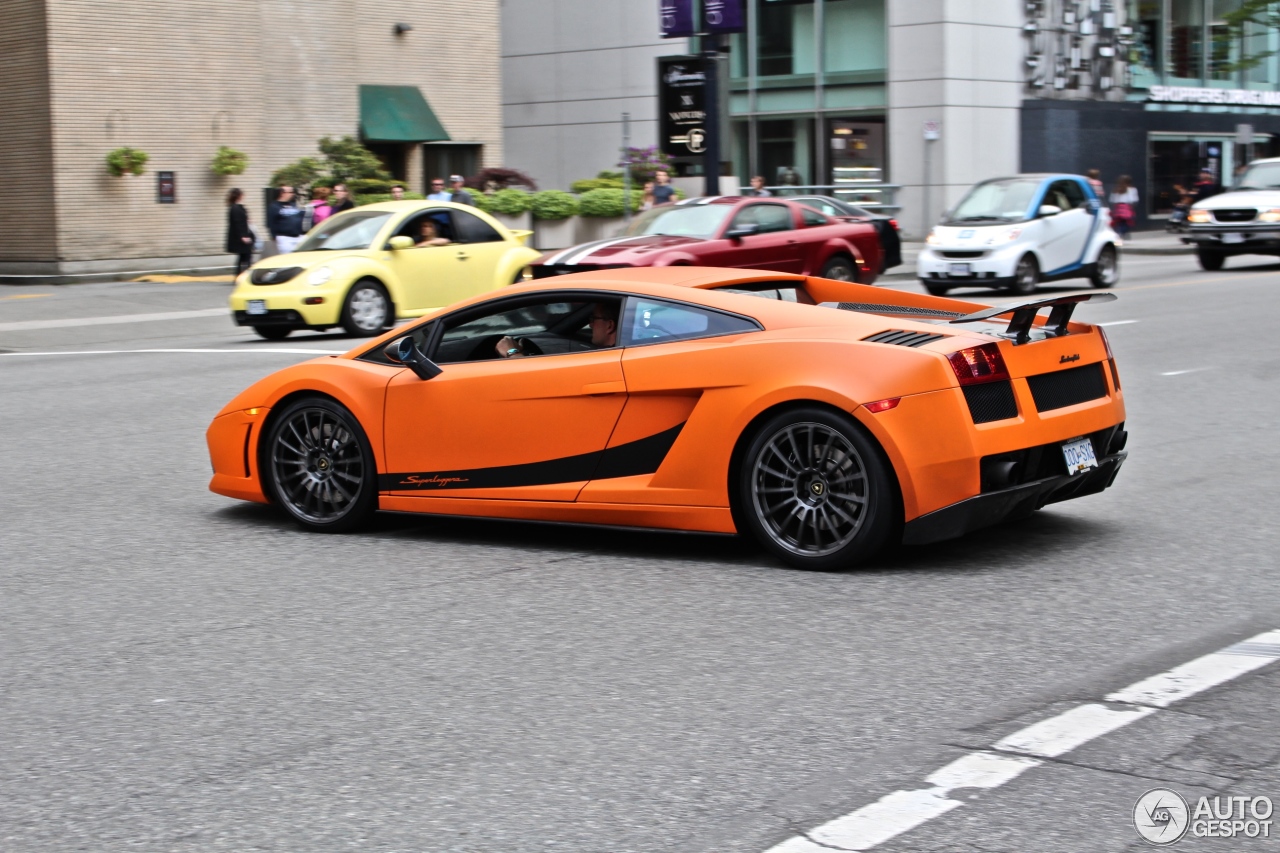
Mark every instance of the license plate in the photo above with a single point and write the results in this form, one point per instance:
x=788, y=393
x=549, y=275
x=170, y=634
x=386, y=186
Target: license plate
x=1079, y=455
x=256, y=306
x=961, y=269
x=1233, y=238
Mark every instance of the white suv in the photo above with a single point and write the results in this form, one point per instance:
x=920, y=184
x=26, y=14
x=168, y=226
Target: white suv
x=1244, y=220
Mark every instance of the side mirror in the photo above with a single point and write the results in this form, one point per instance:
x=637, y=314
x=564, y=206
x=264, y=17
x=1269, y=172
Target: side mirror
x=1049, y=210
x=742, y=231
x=400, y=242
x=405, y=351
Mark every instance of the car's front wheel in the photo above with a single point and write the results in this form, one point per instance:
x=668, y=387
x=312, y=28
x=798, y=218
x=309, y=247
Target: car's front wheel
x=840, y=269
x=814, y=491
x=936, y=289
x=1106, y=272
x=1026, y=276
x=367, y=310
x=318, y=465
x=273, y=333
x=1210, y=260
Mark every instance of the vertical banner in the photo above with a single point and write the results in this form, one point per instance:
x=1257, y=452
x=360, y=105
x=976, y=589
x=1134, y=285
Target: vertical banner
x=676, y=18
x=682, y=116
x=724, y=16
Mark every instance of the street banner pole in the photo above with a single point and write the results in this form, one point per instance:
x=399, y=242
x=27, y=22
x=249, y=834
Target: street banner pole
x=711, y=157
x=626, y=169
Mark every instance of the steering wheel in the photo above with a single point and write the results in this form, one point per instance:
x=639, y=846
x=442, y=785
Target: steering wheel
x=487, y=347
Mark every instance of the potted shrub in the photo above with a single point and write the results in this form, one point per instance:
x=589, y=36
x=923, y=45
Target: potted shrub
x=511, y=208
x=552, y=219
x=601, y=214
x=229, y=161
x=127, y=161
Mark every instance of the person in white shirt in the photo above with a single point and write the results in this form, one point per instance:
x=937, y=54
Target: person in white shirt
x=1124, y=203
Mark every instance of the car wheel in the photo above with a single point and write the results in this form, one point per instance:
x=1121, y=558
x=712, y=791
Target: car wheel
x=273, y=333
x=839, y=269
x=1106, y=272
x=1026, y=276
x=318, y=465
x=936, y=289
x=814, y=491
x=1210, y=260
x=366, y=311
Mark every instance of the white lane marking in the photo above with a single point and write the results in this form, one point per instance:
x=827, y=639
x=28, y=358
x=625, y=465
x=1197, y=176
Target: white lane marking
x=112, y=319
x=1162, y=690
x=900, y=811
x=1117, y=323
x=1063, y=733
x=1182, y=372
x=129, y=351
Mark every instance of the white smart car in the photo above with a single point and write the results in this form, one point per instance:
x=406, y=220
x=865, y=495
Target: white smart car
x=1014, y=233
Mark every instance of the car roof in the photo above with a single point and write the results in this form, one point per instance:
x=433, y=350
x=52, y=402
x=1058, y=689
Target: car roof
x=412, y=204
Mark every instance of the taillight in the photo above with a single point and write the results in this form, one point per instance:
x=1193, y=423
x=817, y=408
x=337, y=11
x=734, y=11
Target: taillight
x=979, y=364
x=1105, y=343
x=894, y=223
x=1111, y=359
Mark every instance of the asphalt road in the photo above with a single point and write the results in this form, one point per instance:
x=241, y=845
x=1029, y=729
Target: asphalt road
x=182, y=672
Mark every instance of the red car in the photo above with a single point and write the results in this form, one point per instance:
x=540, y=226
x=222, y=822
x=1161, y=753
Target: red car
x=732, y=231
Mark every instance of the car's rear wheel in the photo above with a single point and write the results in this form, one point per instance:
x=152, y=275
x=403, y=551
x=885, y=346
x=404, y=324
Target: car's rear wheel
x=1106, y=272
x=273, y=333
x=936, y=289
x=367, y=310
x=840, y=269
x=319, y=466
x=814, y=491
x=1026, y=276
x=1210, y=260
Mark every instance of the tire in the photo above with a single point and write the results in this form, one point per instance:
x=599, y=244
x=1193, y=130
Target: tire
x=936, y=289
x=273, y=333
x=1210, y=260
x=366, y=310
x=785, y=493
x=318, y=465
x=840, y=269
x=1106, y=270
x=1026, y=275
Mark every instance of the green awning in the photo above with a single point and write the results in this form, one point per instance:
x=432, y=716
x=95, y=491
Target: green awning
x=398, y=114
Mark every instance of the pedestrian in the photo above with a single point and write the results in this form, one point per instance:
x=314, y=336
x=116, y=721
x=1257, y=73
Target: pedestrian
x=397, y=192
x=284, y=220
x=663, y=192
x=438, y=192
x=646, y=196
x=239, y=237
x=1095, y=181
x=318, y=208
x=1205, y=186
x=459, y=194
x=1124, y=203
x=341, y=200
x=757, y=187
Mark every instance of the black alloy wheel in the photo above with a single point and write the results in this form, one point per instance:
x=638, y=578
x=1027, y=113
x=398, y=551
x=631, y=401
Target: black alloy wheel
x=367, y=309
x=319, y=466
x=1026, y=276
x=936, y=289
x=814, y=490
x=1210, y=260
x=1106, y=272
x=273, y=333
x=839, y=269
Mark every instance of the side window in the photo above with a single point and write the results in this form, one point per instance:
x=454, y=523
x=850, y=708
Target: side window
x=651, y=321
x=473, y=229
x=1074, y=194
x=552, y=326
x=769, y=217
x=439, y=218
x=812, y=217
x=1057, y=196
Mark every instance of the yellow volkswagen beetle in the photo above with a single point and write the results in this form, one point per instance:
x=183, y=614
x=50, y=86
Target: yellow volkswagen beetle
x=366, y=268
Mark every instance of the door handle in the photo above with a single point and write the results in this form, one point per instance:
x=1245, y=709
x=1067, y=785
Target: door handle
x=598, y=389
x=462, y=256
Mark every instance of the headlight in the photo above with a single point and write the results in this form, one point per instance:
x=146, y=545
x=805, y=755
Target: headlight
x=932, y=239
x=319, y=276
x=1198, y=216
x=1272, y=215
x=1006, y=236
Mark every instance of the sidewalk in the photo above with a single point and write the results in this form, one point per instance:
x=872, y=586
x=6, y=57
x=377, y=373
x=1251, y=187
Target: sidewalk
x=1139, y=243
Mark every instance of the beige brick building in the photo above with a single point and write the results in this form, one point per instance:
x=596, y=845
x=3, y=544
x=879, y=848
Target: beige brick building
x=79, y=78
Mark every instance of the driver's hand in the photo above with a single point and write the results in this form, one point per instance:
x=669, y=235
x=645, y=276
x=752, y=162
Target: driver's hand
x=506, y=344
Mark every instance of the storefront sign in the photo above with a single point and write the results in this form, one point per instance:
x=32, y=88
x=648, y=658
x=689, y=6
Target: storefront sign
x=166, y=188
x=1198, y=95
x=676, y=18
x=724, y=16
x=682, y=115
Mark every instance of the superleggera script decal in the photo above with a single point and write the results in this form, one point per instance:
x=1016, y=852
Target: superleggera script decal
x=434, y=480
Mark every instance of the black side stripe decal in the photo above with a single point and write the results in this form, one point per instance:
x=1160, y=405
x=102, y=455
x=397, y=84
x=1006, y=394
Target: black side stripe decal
x=642, y=456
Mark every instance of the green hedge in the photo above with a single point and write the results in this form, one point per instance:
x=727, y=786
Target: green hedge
x=509, y=202
x=553, y=204
x=606, y=203
x=588, y=184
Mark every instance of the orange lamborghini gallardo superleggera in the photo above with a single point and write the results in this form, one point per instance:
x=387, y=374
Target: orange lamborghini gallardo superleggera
x=824, y=418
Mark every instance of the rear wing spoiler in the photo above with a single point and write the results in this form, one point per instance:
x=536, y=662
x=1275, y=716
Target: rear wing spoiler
x=1024, y=314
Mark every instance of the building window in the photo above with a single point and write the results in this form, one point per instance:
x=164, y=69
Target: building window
x=784, y=37
x=853, y=35
x=857, y=157
x=1186, y=39
x=1224, y=48
x=1146, y=59
x=786, y=152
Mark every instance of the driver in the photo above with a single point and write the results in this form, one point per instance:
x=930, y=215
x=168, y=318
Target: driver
x=430, y=235
x=604, y=332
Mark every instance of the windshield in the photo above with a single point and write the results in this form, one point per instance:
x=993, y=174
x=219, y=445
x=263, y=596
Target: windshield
x=1259, y=176
x=699, y=220
x=1005, y=200
x=352, y=230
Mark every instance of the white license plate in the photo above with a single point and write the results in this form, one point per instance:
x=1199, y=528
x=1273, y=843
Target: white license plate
x=256, y=306
x=1233, y=238
x=961, y=269
x=1079, y=455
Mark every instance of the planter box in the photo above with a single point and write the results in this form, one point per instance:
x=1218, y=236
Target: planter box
x=597, y=228
x=554, y=233
x=519, y=222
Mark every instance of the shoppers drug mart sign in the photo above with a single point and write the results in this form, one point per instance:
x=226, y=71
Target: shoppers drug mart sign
x=1198, y=95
